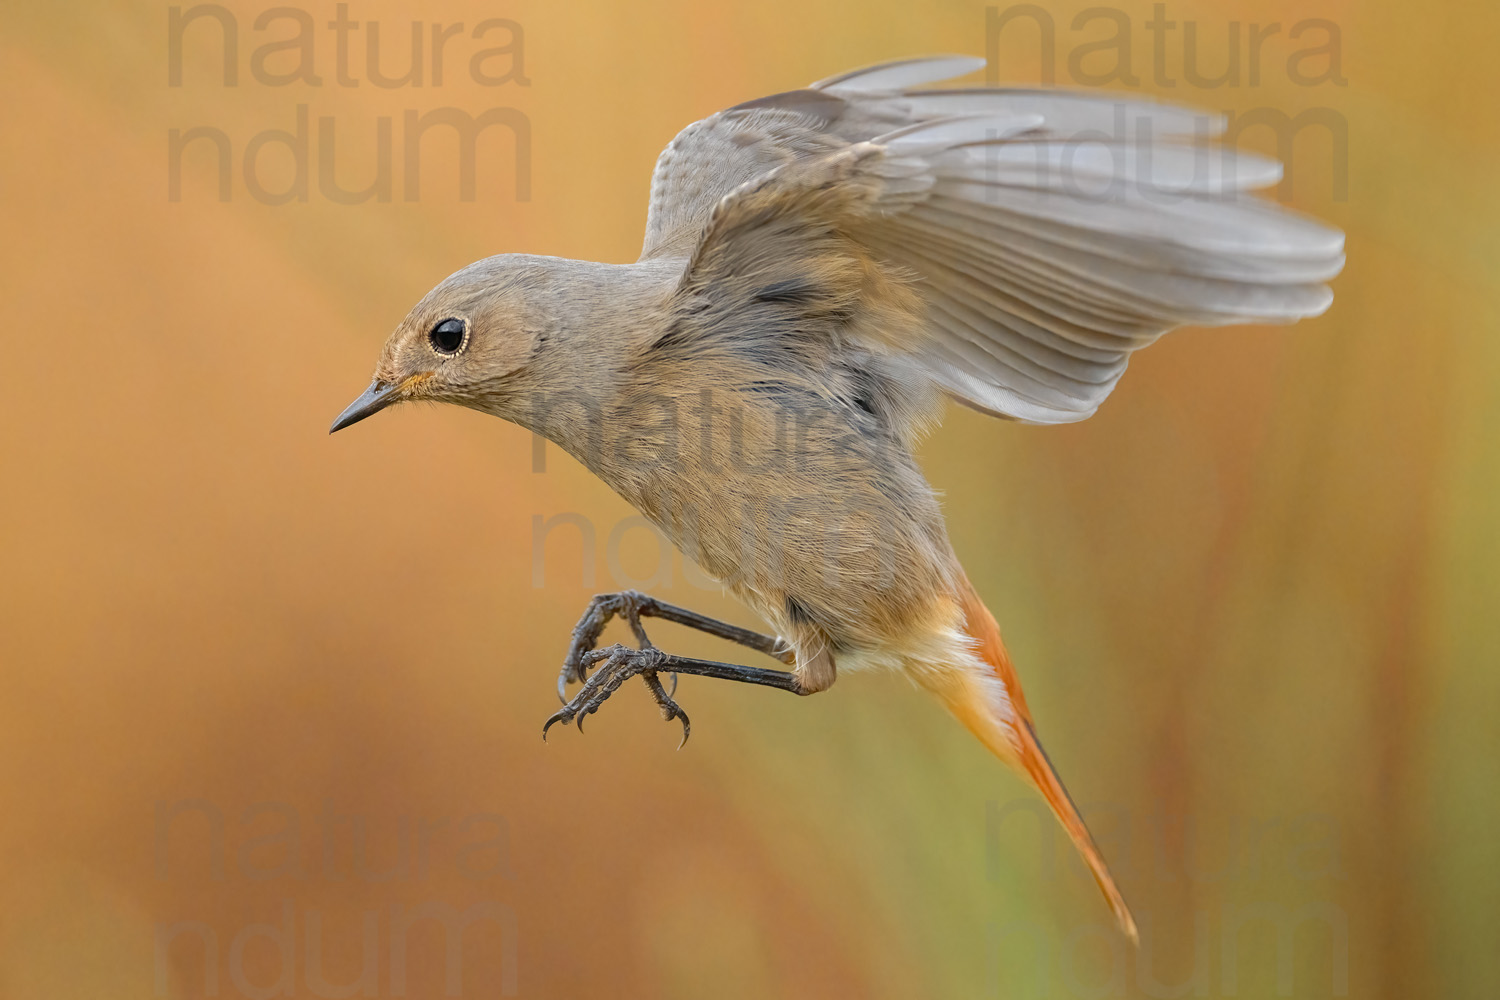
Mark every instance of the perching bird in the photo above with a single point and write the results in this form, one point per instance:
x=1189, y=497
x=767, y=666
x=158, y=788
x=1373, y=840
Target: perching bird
x=820, y=268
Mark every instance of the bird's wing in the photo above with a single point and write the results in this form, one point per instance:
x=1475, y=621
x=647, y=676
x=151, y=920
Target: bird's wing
x=1048, y=233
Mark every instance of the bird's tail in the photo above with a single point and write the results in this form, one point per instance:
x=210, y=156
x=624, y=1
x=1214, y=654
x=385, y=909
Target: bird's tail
x=997, y=714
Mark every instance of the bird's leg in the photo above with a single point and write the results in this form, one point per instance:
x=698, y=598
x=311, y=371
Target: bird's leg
x=631, y=605
x=617, y=664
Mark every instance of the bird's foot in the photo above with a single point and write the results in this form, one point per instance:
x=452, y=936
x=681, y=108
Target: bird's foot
x=629, y=605
x=612, y=667
x=602, y=671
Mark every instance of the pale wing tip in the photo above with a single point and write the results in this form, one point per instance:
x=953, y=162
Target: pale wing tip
x=1321, y=304
x=903, y=73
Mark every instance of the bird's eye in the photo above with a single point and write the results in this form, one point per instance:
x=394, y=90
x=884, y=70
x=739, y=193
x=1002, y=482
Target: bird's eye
x=447, y=338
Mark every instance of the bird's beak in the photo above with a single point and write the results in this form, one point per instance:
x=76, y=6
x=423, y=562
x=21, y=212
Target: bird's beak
x=374, y=399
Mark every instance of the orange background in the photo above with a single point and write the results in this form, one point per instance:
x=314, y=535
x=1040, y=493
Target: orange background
x=1253, y=599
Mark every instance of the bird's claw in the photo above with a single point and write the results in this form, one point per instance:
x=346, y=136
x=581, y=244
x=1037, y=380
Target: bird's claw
x=616, y=665
x=669, y=709
x=575, y=670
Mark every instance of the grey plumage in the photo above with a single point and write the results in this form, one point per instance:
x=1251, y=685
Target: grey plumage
x=819, y=268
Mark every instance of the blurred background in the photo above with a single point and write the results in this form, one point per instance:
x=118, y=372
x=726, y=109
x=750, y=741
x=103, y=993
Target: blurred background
x=272, y=699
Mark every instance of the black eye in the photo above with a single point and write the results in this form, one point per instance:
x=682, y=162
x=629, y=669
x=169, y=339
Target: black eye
x=448, y=336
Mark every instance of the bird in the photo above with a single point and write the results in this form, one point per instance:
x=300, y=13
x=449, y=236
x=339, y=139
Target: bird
x=822, y=269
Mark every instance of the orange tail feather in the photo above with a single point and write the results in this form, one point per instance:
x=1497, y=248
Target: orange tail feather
x=1010, y=735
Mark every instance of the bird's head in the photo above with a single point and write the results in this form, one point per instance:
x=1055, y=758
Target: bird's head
x=464, y=342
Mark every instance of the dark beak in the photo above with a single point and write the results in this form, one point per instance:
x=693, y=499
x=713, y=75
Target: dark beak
x=372, y=400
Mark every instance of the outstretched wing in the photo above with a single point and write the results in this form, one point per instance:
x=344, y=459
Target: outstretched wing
x=1047, y=233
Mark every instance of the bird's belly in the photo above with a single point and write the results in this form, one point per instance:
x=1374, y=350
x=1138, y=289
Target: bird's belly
x=855, y=566
x=815, y=519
